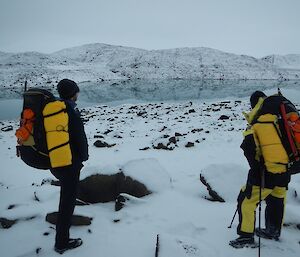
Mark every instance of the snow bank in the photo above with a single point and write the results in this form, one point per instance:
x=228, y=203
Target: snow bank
x=149, y=172
x=226, y=179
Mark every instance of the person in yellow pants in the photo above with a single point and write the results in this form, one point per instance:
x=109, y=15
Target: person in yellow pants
x=275, y=199
x=265, y=152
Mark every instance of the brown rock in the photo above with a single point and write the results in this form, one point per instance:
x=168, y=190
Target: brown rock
x=77, y=220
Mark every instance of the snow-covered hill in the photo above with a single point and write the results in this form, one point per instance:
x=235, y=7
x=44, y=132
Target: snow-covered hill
x=101, y=62
x=178, y=210
x=290, y=61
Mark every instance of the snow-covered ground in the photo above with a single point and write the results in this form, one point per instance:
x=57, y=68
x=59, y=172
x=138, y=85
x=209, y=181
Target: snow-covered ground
x=101, y=62
x=188, y=224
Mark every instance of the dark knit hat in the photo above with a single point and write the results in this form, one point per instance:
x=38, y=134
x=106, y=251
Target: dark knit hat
x=67, y=88
x=255, y=96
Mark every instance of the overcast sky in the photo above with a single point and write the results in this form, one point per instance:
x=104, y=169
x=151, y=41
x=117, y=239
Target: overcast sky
x=252, y=27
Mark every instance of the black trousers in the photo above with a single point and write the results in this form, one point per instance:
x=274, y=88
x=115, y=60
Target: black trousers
x=69, y=178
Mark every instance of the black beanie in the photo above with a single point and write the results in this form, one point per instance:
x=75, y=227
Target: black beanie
x=255, y=96
x=67, y=88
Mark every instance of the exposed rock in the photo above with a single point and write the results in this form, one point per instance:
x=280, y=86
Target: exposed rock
x=7, y=128
x=141, y=113
x=192, y=111
x=50, y=181
x=12, y=206
x=124, y=199
x=36, y=197
x=7, y=223
x=77, y=220
x=215, y=196
x=105, y=188
x=189, y=144
x=173, y=140
x=99, y=136
x=120, y=202
x=107, y=131
x=197, y=130
x=161, y=146
x=102, y=144
x=145, y=148
x=224, y=117
x=293, y=225
x=164, y=127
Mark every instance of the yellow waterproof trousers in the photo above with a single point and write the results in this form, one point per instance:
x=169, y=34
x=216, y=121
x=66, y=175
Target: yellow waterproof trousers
x=275, y=200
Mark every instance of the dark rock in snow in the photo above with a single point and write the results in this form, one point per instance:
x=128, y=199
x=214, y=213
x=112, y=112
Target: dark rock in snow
x=163, y=129
x=107, y=131
x=173, y=140
x=145, y=148
x=36, y=197
x=7, y=128
x=7, y=223
x=161, y=146
x=215, y=196
x=123, y=199
x=189, y=144
x=98, y=136
x=101, y=144
x=224, y=117
x=197, y=130
x=50, y=181
x=12, y=206
x=105, y=188
x=120, y=202
x=141, y=114
x=293, y=225
x=77, y=220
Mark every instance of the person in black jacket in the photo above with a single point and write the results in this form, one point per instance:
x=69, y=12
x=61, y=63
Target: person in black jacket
x=69, y=175
x=265, y=149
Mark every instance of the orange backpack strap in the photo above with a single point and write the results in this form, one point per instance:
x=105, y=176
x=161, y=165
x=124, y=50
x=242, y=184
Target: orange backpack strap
x=288, y=132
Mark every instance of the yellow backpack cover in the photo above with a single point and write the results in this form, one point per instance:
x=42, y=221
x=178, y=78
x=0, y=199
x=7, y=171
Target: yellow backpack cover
x=56, y=122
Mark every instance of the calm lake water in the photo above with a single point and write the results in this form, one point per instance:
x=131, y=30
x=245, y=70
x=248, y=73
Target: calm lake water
x=154, y=91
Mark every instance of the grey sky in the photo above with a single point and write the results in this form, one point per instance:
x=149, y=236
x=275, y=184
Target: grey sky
x=253, y=27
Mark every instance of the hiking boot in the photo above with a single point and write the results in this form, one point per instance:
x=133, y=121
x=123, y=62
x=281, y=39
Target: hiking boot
x=243, y=241
x=268, y=233
x=73, y=243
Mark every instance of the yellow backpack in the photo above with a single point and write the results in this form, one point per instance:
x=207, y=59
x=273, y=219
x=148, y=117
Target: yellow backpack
x=43, y=135
x=56, y=122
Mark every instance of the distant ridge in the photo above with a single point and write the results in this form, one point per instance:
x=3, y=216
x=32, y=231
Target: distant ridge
x=101, y=62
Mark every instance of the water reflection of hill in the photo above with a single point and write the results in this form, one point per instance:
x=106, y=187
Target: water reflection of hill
x=134, y=91
x=164, y=90
x=168, y=90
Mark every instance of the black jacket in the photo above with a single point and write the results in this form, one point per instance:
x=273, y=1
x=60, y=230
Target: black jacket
x=78, y=140
x=252, y=148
